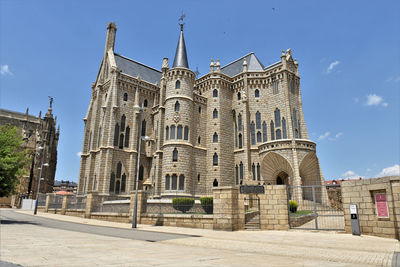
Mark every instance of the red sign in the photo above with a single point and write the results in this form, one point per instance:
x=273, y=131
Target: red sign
x=381, y=205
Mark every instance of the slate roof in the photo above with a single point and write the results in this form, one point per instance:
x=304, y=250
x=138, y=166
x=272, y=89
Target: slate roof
x=134, y=68
x=236, y=67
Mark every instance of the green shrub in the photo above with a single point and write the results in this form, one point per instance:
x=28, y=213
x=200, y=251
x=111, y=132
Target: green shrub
x=207, y=204
x=182, y=204
x=293, y=206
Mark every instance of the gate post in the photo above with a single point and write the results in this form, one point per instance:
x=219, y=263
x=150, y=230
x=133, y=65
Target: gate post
x=226, y=210
x=315, y=207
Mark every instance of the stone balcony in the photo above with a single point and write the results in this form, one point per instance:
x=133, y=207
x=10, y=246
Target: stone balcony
x=285, y=144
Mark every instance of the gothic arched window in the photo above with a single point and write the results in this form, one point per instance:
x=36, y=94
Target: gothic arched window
x=112, y=182
x=259, y=137
x=178, y=84
x=240, y=122
x=215, y=159
x=258, y=172
x=278, y=134
x=123, y=182
x=166, y=133
x=145, y=103
x=258, y=120
x=127, y=133
x=116, y=134
x=121, y=141
x=186, y=133
x=175, y=154
x=181, y=182
x=117, y=186
x=125, y=97
x=253, y=170
x=179, y=132
x=277, y=114
x=264, y=128
x=172, y=135
x=257, y=93
x=215, y=183
x=284, y=128
x=272, y=130
x=167, y=182
x=174, y=181
x=177, y=106
x=141, y=172
x=119, y=169
x=199, y=140
x=240, y=141
x=253, y=133
x=215, y=138
x=215, y=93
x=239, y=96
x=215, y=113
x=144, y=128
x=123, y=119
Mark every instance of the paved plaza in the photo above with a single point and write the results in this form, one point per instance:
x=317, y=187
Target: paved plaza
x=57, y=240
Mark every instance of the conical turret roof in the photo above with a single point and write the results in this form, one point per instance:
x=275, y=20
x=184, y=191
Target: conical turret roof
x=180, y=54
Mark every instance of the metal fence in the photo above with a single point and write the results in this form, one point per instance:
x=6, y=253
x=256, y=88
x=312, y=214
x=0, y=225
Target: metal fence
x=41, y=200
x=315, y=207
x=55, y=201
x=76, y=202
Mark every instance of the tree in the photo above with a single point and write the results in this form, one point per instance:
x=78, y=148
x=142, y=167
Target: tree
x=13, y=159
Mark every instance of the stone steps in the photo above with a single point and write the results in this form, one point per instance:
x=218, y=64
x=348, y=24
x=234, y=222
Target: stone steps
x=253, y=224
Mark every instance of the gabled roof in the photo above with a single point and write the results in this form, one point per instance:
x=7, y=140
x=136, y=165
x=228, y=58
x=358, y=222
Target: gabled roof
x=134, y=68
x=236, y=67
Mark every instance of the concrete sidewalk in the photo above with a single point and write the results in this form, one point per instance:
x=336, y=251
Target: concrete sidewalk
x=32, y=245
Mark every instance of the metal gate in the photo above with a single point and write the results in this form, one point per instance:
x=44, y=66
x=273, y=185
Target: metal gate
x=315, y=207
x=252, y=212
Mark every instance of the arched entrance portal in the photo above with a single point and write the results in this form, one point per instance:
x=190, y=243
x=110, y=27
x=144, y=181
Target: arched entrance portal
x=283, y=178
x=310, y=174
x=275, y=169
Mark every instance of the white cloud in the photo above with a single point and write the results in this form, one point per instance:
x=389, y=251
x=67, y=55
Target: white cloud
x=79, y=154
x=390, y=171
x=325, y=135
x=350, y=175
x=4, y=70
x=337, y=136
x=376, y=100
x=332, y=65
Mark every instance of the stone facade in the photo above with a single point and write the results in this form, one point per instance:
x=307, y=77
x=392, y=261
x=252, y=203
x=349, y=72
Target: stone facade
x=238, y=124
x=36, y=131
x=362, y=193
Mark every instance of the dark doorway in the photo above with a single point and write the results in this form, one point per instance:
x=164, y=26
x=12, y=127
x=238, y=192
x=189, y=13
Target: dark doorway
x=279, y=180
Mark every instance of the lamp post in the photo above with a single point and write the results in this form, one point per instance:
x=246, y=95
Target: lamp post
x=140, y=110
x=40, y=176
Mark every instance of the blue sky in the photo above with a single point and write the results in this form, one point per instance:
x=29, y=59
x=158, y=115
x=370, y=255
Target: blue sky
x=348, y=54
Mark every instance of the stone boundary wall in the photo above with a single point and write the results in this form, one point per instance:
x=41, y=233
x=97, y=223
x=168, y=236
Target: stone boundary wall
x=362, y=193
x=273, y=208
x=179, y=220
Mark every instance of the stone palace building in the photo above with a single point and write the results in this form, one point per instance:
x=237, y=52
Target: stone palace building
x=36, y=131
x=241, y=123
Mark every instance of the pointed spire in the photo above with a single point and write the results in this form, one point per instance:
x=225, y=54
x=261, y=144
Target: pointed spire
x=180, y=54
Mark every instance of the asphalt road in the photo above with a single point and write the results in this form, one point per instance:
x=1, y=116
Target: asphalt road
x=12, y=217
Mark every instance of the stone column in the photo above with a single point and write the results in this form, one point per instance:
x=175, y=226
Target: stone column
x=141, y=206
x=64, y=204
x=48, y=199
x=226, y=209
x=91, y=197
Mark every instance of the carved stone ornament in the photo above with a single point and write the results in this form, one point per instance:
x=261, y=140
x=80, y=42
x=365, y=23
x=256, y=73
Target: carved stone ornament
x=177, y=117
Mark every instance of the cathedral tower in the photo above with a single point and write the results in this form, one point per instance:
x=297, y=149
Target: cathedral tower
x=178, y=149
